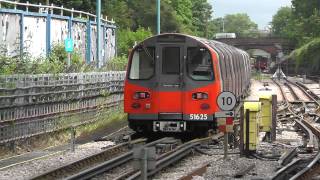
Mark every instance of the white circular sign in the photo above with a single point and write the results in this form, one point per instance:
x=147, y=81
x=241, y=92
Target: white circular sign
x=226, y=101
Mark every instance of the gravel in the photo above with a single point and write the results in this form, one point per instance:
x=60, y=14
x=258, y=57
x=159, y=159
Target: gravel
x=36, y=167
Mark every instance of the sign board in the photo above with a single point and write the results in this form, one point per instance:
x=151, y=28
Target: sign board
x=224, y=114
x=226, y=101
x=225, y=124
x=68, y=44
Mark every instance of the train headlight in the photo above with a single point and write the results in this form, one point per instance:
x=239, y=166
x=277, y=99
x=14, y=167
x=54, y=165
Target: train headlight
x=141, y=95
x=200, y=95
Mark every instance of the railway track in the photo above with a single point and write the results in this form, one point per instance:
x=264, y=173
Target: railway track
x=123, y=158
x=75, y=167
x=301, y=168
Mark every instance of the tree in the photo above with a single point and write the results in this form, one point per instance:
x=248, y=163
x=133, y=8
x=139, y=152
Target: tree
x=282, y=23
x=202, y=14
x=240, y=24
x=183, y=10
x=119, y=11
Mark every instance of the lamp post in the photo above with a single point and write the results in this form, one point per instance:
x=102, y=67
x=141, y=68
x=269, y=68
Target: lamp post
x=158, y=16
x=98, y=20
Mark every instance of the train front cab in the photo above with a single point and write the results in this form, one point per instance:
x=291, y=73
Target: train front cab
x=171, y=86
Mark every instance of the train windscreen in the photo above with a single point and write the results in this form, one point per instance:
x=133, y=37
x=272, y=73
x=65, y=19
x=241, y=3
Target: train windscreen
x=142, y=64
x=199, y=64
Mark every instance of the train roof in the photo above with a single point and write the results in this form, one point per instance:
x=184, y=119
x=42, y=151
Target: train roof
x=178, y=37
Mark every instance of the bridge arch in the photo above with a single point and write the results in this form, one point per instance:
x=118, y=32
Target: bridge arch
x=259, y=52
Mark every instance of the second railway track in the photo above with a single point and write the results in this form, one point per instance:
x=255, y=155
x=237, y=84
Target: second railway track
x=301, y=168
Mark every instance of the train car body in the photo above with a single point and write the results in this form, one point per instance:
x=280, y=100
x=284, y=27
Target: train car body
x=173, y=81
x=261, y=63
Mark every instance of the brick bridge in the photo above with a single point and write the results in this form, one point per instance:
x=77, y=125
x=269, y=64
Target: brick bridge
x=271, y=45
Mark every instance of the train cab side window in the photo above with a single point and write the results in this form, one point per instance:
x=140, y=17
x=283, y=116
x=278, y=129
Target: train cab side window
x=142, y=63
x=199, y=64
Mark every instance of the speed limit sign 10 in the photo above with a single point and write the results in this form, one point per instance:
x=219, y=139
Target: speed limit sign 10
x=226, y=101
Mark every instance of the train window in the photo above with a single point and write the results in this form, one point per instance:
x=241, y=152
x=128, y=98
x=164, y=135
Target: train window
x=142, y=64
x=199, y=64
x=171, y=60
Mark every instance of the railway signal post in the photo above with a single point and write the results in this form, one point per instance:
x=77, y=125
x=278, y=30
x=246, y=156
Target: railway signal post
x=226, y=102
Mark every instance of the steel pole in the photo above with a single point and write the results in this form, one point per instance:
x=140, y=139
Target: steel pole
x=158, y=16
x=98, y=20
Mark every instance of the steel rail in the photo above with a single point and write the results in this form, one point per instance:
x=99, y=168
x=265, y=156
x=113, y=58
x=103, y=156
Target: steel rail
x=61, y=172
x=108, y=165
x=308, y=127
x=295, y=96
x=313, y=96
x=173, y=156
x=302, y=89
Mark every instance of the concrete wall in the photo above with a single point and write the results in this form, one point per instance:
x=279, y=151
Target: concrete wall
x=36, y=33
x=10, y=34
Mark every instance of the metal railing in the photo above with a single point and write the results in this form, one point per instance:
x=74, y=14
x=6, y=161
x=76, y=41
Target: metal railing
x=50, y=9
x=35, y=104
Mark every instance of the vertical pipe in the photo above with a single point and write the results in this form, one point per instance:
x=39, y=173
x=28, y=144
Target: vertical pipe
x=144, y=168
x=21, y=34
x=223, y=25
x=70, y=37
x=158, y=16
x=88, y=50
x=104, y=54
x=48, y=34
x=225, y=145
x=98, y=19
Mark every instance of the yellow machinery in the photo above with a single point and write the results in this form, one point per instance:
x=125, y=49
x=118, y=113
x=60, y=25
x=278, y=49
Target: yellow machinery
x=266, y=112
x=254, y=119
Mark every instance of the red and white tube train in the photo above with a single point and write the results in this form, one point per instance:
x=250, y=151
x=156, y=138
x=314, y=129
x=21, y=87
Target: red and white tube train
x=173, y=81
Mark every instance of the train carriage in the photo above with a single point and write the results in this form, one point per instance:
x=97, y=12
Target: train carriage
x=173, y=81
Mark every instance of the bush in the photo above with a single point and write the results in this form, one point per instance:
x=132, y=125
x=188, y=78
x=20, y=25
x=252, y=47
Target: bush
x=307, y=56
x=127, y=39
x=55, y=63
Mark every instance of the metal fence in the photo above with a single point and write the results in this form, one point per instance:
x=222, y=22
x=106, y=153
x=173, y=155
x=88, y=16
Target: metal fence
x=36, y=104
x=35, y=28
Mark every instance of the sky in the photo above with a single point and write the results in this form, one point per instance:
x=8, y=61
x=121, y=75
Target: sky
x=260, y=11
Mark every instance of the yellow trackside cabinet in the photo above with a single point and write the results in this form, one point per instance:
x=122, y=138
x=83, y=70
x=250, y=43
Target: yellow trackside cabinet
x=254, y=119
x=266, y=112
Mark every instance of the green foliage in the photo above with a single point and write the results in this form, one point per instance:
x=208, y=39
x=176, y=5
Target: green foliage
x=308, y=56
x=240, y=24
x=301, y=25
x=202, y=14
x=127, y=39
x=116, y=64
x=282, y=23
x=56, y=62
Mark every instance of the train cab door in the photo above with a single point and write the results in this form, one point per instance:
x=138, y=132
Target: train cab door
x=170, y=81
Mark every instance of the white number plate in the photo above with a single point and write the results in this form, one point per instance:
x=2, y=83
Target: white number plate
x=198, y=116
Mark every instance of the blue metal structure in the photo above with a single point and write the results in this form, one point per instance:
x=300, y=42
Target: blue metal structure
x=98, y=15
x=158, y=16
x=73, y=23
